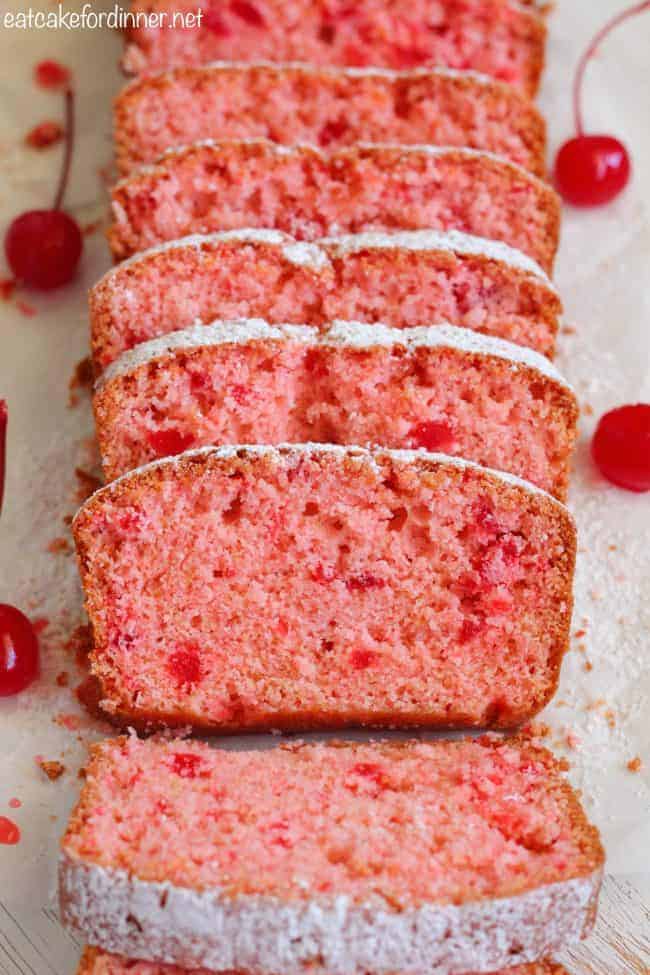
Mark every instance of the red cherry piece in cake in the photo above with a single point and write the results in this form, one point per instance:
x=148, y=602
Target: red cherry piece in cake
x=470, y=628
x=621, y=447
x=185, y=667
x=248, y=12
x=241, y=394
x=43, y=248
x=187, y=765
x=323, y=574
x=18, y=651
x=364, y=581
x=169, y=443
x=52, y=74
x=363, y=659
x=432, y=435
x=332, y=131
x=591, y=170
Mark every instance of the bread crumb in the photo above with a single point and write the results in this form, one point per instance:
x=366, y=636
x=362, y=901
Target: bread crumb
x=53, y=770
x=59, y=546
x=635, y=764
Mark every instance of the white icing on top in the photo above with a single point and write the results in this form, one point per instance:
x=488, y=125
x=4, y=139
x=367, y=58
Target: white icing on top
x=354, y=334
x=197, y=928
x=317, y=253
x=451, y=240
x=361, y=455
x=306, y=148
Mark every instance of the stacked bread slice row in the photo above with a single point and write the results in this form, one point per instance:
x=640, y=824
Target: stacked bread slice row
x=336, y=454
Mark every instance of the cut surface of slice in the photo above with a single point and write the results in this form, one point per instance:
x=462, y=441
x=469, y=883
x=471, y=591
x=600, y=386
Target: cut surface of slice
x=312, y=585
x=402, y=279
x=441, y=857
x=437, y=388
x=328, y=107
x=498, y=37
x=234, y=184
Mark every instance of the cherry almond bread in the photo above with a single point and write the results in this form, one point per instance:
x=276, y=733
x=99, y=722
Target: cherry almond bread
x=438, y=858
x=401, y=279
x=439, y=388
x=501, y=38
x=318, y=586
x=328, y=107
x=238, y=184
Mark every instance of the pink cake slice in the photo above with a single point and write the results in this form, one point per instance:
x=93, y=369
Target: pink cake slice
x=436, y=858
x=308, y=586
x=404, y=279
x=329, y=107
x=439, y=388
x=232, y=185
x=97, y=962
x=500, y=38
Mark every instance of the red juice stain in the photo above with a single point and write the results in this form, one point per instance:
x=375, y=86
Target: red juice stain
x=15, y=803
x=9, y=832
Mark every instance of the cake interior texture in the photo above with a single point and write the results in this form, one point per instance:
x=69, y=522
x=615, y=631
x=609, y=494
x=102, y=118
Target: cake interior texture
x=296, y=386
x=329, y=108
x=498, y=38
x=387, y=825
x=325, y=587
x=230, y=185
x=211, y=278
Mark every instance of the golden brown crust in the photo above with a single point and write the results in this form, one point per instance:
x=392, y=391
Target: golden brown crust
x=153, y=478
x=523, y=116
x=124, y=240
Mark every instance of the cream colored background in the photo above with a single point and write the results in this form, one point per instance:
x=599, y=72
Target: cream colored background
x=604, y=275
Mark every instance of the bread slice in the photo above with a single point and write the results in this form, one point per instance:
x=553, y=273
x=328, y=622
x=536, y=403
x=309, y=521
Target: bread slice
x=436, y=858
x=231, y=185
x=498, y=37
x=403, y=279
x=438, y=388
x=328, y=107
x=94, y=961
x=306, y=586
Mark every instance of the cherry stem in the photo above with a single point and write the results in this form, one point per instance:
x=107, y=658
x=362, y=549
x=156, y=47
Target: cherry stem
x=638, y=8
x=67, y=156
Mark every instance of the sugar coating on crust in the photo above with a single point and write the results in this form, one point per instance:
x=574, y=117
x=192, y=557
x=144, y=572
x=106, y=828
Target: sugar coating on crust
x=355, y=334
x=282, y=150
x=318, y=253
x=285, y=452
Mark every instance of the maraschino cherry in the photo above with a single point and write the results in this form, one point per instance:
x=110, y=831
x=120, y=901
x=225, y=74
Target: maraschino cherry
x=621, y=447
x=591, y=170
x=18, y=641
x=43, y=247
